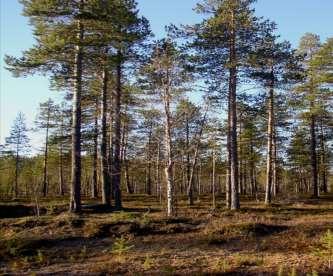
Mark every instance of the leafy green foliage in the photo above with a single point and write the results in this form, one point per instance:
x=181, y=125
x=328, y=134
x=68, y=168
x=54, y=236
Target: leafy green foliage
x=325, y=252
x=148, y=263
x=121, y=246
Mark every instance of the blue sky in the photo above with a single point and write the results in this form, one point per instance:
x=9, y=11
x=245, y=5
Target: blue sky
x=294, y=18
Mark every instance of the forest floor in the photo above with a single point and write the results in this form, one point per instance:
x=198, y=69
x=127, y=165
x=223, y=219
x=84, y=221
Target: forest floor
x=282, y=239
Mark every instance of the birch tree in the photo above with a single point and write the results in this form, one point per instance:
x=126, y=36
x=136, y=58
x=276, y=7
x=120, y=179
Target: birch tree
x=166, y=77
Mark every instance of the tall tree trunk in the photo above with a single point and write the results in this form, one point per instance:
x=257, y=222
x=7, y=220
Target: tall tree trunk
x=183, y=181
x=61, y=160
x=95, y=155
x=129, y=187
x=244, y=176
x=190, y=183
x=148, y=178
x=148, y=164
x=106, y=184
x=170, y=184
x=252, y=171
x=190, y=180
x=116, y=172
x=240, y=159
x=46, y=149
x=17, y=158
x=214, y=179
x=323, y=170
x=75, y=195
x=158, y=177
x=169, y=156
x=111, y=141
x=270, y=129
x=228, y=174
x=199, y=180
x=314, y=165
x=188, y=165
x=127, y=178
x=235, y=204
x=61, y=171
x=274, y=164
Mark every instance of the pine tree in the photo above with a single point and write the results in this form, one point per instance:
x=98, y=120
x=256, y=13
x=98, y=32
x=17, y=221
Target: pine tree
x=131, y=30
x=299, y=157
x=59, y=31
x=45, y=120
x=61, y=138
x=227, y=38
x=323, y=62
x=106, y=179
x=273, y=65
x=250, y=140
x=188, y=130
x=213, y=132
x=17, y=145
x=65, y=31
x=150, y=122
x=309, y=47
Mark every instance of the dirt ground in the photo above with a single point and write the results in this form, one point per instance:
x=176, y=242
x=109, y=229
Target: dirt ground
x=284, y=239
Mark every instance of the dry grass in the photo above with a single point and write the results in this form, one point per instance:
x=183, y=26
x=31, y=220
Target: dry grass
x=199, y=241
